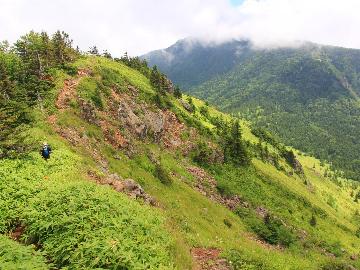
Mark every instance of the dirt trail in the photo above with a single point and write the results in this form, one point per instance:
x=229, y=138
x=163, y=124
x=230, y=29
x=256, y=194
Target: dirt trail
x=208, y=259
x=75, y=137
x=68, y=92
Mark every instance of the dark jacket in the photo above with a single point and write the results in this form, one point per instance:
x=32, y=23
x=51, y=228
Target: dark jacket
x=45, y=151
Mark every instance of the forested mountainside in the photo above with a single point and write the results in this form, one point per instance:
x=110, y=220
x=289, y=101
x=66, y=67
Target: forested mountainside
x=143, y=177
x=308, y=95
x=189, y=63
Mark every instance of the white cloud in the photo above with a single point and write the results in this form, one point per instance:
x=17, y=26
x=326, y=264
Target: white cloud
x=138, y=26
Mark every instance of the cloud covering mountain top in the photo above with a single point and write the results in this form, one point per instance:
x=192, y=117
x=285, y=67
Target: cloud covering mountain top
x=141, y=26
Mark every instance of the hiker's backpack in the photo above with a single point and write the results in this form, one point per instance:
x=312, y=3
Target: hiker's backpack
x=45, y=152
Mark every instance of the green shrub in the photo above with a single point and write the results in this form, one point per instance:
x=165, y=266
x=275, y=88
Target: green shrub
x=97, y=99
x=265, y=135
x=224, y=189
x=202, y=153
x=16, y=256
x=70, y=70
x=204, y=111
x=313, y=221
x=331, y=201
x=159, y=101
x=227, y=223
x=244, y=212
x=357, y=233
x=163, y=175
x=177, y=92
x=336, y=266
x=81, y=224
x=111, y=77
x=333, y=248
x=90, y=89
x=271, y=230
x=279, y=233
x=240, y=261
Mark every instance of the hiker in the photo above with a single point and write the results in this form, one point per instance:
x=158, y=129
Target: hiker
x=45, y=151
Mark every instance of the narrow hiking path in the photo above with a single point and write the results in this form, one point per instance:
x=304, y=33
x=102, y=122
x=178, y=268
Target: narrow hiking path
x=75, y=136
x=68, y=92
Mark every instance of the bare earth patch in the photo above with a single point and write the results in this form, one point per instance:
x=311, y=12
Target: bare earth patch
x=17, y=233
x=208, y=259
x=68, y=92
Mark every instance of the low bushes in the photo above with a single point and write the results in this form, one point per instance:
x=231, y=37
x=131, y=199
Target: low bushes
x=241, y=261
x=203, y=154
x=270, y=229
x=76, y=223
x=16, y=256
x=163, y=175
x=83, y=225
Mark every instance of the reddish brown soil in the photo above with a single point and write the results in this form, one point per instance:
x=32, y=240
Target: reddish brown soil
x=112, y=135
x=17, y=233
x=208, y=259
x=68, y=92
x=52, y=119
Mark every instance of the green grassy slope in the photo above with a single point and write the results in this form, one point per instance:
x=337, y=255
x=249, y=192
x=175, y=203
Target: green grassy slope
x=77, y=223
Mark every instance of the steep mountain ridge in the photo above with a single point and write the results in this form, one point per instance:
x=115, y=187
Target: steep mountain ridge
x=188, y=55
x=308, y=95
x=140, y=178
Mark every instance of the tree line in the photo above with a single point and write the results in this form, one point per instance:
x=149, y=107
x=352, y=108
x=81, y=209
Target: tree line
x=25, y=78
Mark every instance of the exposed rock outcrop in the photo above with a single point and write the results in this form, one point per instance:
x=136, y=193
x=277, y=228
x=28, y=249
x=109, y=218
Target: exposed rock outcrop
x=144, y=121
x=297, y=167
x=88, y=111
x=127, y=186
x=127, y=116
x=186, y=105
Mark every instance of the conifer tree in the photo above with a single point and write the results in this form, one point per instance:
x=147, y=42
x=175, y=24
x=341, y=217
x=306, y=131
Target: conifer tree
x=46, y=50
x=25, y=81
x=59, y=47
x=106, y=54
x=29, y=48
x=177, y=92
x=94, y=50
x=6, y=86
x=234, y=148
x=192, y=105
x=155, y=78
x=13, y=112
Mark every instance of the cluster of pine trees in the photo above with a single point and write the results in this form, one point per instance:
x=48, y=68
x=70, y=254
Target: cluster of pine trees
x=25, y=79
x=235, y=149
x=135, y=63
x=229, y=136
